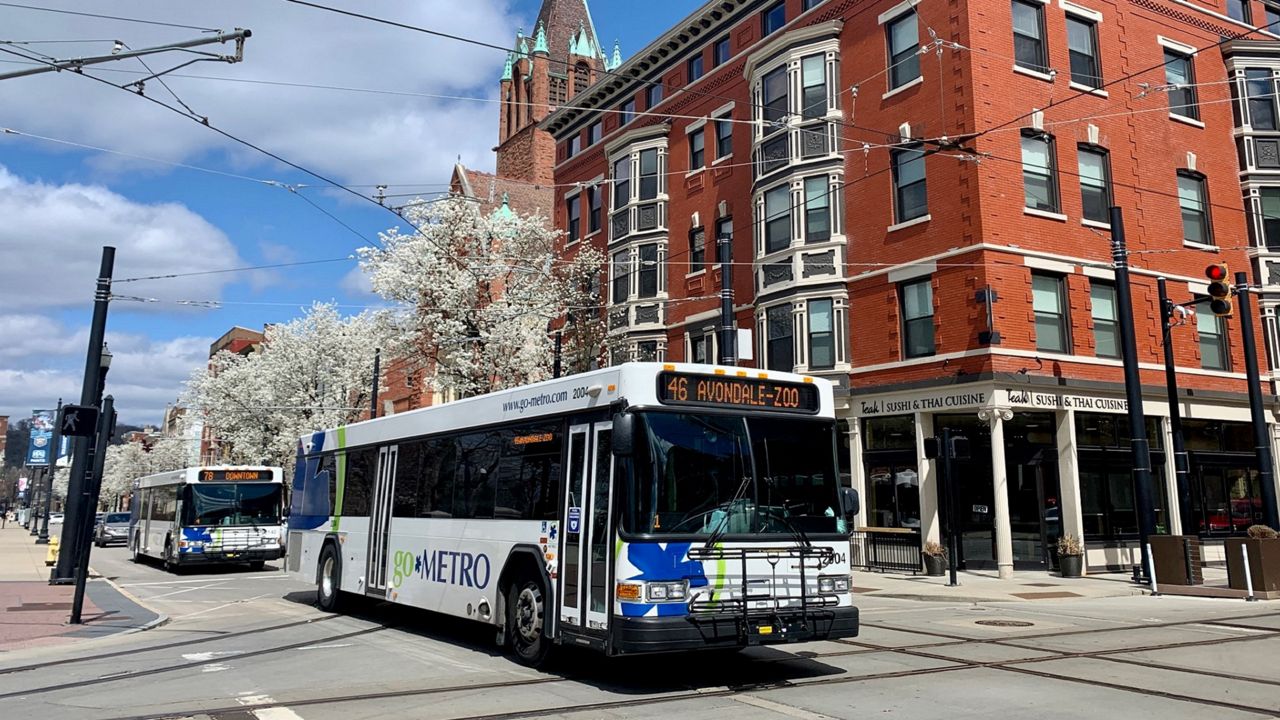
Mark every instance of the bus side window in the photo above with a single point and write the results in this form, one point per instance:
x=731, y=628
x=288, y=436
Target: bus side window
x=477, y=472
x=408, y=479
x=361, y=466
x=528, y=483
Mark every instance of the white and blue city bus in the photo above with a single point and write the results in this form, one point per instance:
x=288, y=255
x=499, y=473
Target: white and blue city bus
x=640, y=508
x=213, y=514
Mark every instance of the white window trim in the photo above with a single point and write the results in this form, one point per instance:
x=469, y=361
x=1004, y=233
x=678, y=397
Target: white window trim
x=1174, y=45
x=1060, y=217
x=912, y=272
x=1198, y=288
x=723, y=110
x=1047, y=77
x=721, y=159
x=1099, y=273
x=1053, y=266
x=1073, y=9
x=1095, y=224
x=896, y=11
x=1189, y=121
x=1086, y=89
x=695, y=126
x=908, y=223
x=1201, y=246
x=918, y=80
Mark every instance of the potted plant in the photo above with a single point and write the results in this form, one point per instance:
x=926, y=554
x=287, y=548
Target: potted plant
x=935, y=559
x=1263, y=546
x=1070, y=555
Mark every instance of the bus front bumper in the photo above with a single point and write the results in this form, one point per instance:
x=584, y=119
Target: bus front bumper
x=666, y=634
x=205, y=555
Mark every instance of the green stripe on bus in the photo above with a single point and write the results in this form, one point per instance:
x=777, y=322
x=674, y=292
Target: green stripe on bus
x=342, y=477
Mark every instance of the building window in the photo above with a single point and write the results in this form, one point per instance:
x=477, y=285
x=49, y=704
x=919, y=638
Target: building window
x=628, y=111
x=1082, y=46
x=817, y=209
x=581, y=77
x=1048, y=301
x=593, y=209
x=775, y=99
x=621, y=276
x=575, y=145
x=917, y=318
x=700, y=348
x=904, y=49
x=647, y=351
x=1269, y=197
x=574, y=204
x=780, y=354
x=724, y=137
x=720, y=51
x=772, y=19
x=808, y=5
x=1260, y=89
x=1213, y=338
x=1028, y=36
x=777, y=219
x=694, y=68
x=648, y=174
x=697, y=149
x=910, y=196
x=1106, y=329
x=697, y=249
x=1193, y=199
x=813, y=79
x=822, y=336
x=1239, y=10
x=648, y=271
x=1179, y=75
x=1039, y=172
x=1095, y=183
x=653, y=95
x=1273, y=16
x=621, y=182
x=594, y=133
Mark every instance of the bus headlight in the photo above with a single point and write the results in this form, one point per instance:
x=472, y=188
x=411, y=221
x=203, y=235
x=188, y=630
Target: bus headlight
x=833, y=584
x=666, y=591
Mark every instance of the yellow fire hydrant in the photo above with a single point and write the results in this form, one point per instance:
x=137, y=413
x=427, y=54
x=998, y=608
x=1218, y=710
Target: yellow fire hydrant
x=52, y=556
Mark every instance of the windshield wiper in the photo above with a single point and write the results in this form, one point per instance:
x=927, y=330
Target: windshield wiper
x=795, y=530
x=720, y=530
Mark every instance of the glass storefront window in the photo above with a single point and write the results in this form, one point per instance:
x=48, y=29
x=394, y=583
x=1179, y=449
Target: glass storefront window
x=893, y=478
x=1107, y=496
x=889, y=433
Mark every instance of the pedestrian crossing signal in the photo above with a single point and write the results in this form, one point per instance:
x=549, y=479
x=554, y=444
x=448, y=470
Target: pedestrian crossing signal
x=78, y=421
x=1219, y=290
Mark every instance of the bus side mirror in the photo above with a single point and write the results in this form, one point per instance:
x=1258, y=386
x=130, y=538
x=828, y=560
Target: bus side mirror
x=849, y=502
x=624, y=433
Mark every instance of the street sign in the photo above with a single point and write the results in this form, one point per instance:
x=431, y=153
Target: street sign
x=78, y=421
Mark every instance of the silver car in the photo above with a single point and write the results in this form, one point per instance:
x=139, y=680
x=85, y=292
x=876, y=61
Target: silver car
x=112, y=528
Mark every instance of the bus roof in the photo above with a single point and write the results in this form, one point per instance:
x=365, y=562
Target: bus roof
x=193, y=475
x=635, y=383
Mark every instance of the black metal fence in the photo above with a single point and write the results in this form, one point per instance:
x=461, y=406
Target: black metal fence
x=889, y=549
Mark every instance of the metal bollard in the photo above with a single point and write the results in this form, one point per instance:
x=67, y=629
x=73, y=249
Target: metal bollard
x=1151, y=568
x=1248, y=576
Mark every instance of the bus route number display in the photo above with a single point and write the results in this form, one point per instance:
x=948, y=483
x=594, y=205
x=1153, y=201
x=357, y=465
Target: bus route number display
x=736, y=392
x=233, y=475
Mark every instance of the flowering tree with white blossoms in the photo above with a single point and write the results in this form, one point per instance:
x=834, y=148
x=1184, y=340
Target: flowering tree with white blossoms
x=483, y=289
x=130, y=461
x=311, y=373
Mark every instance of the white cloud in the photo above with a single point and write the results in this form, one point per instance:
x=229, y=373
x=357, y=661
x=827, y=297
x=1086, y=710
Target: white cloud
x=355, y=137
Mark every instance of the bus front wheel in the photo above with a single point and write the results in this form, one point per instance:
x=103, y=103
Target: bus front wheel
x=329, y=579
x=526, y=604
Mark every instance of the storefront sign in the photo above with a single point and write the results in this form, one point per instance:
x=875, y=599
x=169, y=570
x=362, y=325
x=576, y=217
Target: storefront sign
x=1055, y=401
x=894, y=406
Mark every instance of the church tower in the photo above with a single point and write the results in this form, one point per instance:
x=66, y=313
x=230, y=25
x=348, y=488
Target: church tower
x=544, y=70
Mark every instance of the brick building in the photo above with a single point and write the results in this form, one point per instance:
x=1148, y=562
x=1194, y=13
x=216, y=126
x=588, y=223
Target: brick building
x=917, y=196
x=238, y=340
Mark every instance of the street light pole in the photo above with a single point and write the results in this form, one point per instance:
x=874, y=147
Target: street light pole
x=1181, y=465
x=106, y=427
x=728, y=329
x=1262, y=444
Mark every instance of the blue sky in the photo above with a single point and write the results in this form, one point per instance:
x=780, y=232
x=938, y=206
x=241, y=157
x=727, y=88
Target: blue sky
x=60, y=203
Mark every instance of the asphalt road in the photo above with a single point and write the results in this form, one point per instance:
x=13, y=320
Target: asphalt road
x=244, y=645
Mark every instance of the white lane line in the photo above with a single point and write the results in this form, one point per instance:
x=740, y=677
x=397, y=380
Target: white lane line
x=1230, y=628
x=276, y=713
x=203, y=656
x=214, y=586
x=223, y=605
x=214, y=667
x=325, y=647
x=779, y=708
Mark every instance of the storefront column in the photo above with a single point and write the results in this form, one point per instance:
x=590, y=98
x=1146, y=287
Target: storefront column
x=1000, y=480
x=1071, y=509
x=930, y=527
x=1173, y=511
x=857, y=473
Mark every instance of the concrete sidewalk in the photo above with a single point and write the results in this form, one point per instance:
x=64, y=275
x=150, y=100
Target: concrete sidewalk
x=985, y=586
x=35, y=613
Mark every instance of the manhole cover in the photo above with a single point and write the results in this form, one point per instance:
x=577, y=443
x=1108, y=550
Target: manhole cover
x=1004, y=623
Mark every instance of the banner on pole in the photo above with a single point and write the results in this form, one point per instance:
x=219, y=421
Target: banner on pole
x=39, y=448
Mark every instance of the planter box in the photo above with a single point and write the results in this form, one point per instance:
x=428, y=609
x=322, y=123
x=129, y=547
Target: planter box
x=1178, y=559
x=1264, y=563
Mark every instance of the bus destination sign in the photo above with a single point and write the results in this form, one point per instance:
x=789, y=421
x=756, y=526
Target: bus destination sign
x=234, y=475
x=736, y=392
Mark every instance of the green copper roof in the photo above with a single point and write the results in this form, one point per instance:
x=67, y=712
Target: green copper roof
x=506, y=70
x=540, y=40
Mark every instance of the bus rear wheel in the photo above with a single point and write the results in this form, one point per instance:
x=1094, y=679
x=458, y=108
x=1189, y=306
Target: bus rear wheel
x=526, y=605
x=329, y=579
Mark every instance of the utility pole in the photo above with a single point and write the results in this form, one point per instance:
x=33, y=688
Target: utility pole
x=1139, y=446
x=43, y=539
x=1262, y=444
x=106, y=428
x=951, y=526
x=237, y=36
x=34, y=502
x=377, y=380
x=728, y=328
x=90, y=392
x=1181, y=465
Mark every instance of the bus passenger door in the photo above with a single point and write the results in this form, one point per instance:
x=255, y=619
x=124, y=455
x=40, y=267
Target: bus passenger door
x=380, y=521
x=571, y=527
x=597, y=528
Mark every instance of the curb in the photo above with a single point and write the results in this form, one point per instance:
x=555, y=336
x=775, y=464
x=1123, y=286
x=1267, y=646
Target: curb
x=160, y=619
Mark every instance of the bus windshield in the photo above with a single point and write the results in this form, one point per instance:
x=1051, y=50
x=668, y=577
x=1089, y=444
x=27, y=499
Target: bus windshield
x=723, y=474
x=226, y=504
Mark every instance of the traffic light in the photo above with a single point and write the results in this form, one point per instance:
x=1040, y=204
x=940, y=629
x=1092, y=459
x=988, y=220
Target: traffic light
x=1219, y=290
